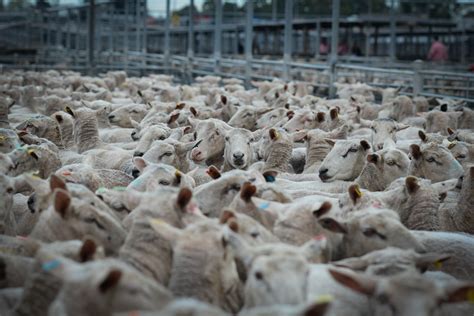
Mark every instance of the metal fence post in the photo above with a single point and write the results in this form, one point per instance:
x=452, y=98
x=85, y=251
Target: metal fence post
x=190, y=40
x=393, y=38
x=125, y=34
x=91, y=35
x=288, y=39
x=417, y=78
x=218, y=36
x=334, y=45
x=167, y=36
x=248, y=43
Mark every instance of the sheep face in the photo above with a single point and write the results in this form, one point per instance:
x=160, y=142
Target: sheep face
x=404, y=294
x=7, y=190
x=370, y=230
x=238, y=151
x=276, y=279
x=24, y=159
x=210, y=139
x=383, y=129
x=8, y=140
x=123, y=115
x=384, y=166
x=152, y=176
x=434, y=162
x=344, y=161
x=81, y=217
x=246, y=117
x=269, y=119
x=147, y=136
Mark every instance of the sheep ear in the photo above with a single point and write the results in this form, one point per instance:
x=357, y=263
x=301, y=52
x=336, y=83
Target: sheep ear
x=332, y=225
x=365, y=144
x=423, y=261
x=140, y=163
x=180, y=106
x=62, y=200
x=323, y=209
x=411, y=184
x=334, y=114
x=213, y=172
x=33, y=153
x=274, y=134
x=450, y=131
x=443, y=107
x=355, y=193
x=193, y=111
x=183, y=198
x=356, y=264
x=317, y=309
x=223, y=99
x=135, y=124
x=173, y=117
x=320, y=116
x=422, y=136
x=372, y=158
x=358, y=283
x=415, y=151
x=110, y=281
x=401, y=127
x=247, y=191
x=299, y=136
x=87, y=251
x=459, y=293
x=56, y=182
x=226, y=215
x=69, y=111
x=58, y=118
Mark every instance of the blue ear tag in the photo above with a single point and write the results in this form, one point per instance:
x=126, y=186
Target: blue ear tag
x=51, y=265
x=264, y=205
x=269, y=178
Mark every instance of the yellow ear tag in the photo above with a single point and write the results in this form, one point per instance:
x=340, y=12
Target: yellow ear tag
x=438, y=265
x=358, y=191
x=178, y=174
x=277, y=135
x=156, y=221
x=452, y=144
x=2, y=138
x=35, y=175
x=30, y=151
x=470, y=296
x=325, y=298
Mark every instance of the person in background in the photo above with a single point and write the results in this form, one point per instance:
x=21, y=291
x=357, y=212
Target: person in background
x=343, y=48
x=438, y=51
x=356, y=51
x=323, y=47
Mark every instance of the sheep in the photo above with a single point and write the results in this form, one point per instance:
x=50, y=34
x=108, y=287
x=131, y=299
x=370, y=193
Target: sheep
x=148, y=136
x=71, y=218
x=275, y=148
x=238, y=152
x=42, y=126
x=434, y=162
x=9, y=140
x=246, y=117
x=106, y=287
x=382, y=129
x=66, y=128
x=122, y=116
x=382, y=168
x=34, y=158
x=203, y=268
x=170, y=152
x=460, y=135
x=345, y=161
x=407, y=294
x=463, y=152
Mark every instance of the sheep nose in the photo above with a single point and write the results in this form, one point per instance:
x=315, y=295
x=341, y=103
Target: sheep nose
x=324, y=171
x=372, y=158
x=379, y=146
x=31, y=202
x=238, y=155
x=135, y=173
x=111, y=117
x=137, y=154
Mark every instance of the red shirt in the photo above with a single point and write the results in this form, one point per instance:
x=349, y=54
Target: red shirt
x=438, y=52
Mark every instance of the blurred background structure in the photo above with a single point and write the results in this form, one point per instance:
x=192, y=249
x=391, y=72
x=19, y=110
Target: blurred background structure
x=382, y=42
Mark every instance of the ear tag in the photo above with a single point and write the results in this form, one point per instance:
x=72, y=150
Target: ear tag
x=118, y=188
x=325, y=298
x=178, y=174
x=36, y=175
x=2, y=138
x=438, y=264
x=269, y=178
x=452, y=144
x=51, y=265
x=156, y=221
x=470, y=296
x=358, y=191
x=101, y=190
x=30, y=151
x=264, y=205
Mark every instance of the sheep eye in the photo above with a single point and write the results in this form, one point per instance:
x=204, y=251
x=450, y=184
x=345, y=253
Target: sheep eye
x=254, y=234
x=167, y=154
x=370, y=232
x=227, y=138
x=91, y=220
x=162, y=138
x=461, y=156
x=134, y=111
x=258, y=275
x=430, y=159
x=164, y=182
x=373, y=128
x=251, y=140
x=217, y=133
x=195, y=135
x=9, y=190
x=353, y=150
x=390, y=162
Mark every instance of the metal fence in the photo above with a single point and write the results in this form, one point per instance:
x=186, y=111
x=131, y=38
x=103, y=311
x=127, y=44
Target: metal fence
x=99, y=36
